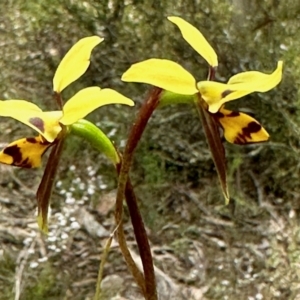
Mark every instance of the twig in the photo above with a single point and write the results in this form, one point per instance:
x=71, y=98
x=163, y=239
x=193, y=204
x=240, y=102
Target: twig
x=102, y=262
x=21, y=263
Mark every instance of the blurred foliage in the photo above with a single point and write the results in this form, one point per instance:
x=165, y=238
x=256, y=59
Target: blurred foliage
x=247, y=35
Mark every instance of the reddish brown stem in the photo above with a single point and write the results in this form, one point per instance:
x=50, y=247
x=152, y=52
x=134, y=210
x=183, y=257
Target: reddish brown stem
x=125, y=189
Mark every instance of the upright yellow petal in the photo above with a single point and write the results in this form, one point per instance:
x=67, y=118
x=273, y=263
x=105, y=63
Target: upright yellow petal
x=25, y=153
x=258, y=81
x=87, y=100
x=162, y=73
x=240, y=128
x=75, y=62
x=195, y=38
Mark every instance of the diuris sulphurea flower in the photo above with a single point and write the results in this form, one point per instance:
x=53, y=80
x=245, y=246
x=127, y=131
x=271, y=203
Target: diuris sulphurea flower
x=54, y=126
x=208, y=95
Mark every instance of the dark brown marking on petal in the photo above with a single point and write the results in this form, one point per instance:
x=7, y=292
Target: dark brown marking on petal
x=31, y=140
x=252, y=127
x=14, y=152
x=38, y=123
x=242, y=137
x=233, y=114
x=218, y=115
x=25, y=164
x=226, y=93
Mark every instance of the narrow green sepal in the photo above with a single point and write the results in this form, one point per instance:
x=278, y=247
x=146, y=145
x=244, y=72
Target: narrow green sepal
x=168, y=98
x=96, y=138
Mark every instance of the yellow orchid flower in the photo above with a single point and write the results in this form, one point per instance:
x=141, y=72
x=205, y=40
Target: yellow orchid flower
x=209, y=96
x=49, y=124
x=172, y=77
x=53, y=126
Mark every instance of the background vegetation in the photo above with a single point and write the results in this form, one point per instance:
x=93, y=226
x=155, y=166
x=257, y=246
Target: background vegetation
x=247, y=250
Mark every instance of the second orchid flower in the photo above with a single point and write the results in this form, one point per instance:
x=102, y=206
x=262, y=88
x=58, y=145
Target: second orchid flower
x=209, y=96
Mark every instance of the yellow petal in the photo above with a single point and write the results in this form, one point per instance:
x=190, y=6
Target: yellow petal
x=25, y=153
x=87, y=100
x=45, y=123
x=162, y=73
x=8, y=108
x=198, y=42
x=258, y=81
x=240, y=128
x=215, y=94
x=75, y=62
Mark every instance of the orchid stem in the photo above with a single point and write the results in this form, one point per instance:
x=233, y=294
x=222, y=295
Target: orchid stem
x=125, y=189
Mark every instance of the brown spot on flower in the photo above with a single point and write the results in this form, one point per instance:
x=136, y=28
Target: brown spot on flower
x=242, y=138
x=252, y=127
x=26, y=164
x=15, y=152
x=31, y=140
x=219, y=115
x=233, y=114
x=38, y=123
x=226, y=93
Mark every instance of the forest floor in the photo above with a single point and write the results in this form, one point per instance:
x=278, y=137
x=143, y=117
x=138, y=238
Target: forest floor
x=202, y=250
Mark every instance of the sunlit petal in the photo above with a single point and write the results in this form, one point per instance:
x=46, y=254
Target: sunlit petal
x=240, y=128
x=215, y=94
x=89, y=99
x=162, y=73
x=25, y=153
x=258, y=81
x=45, y=123
x=9, y=108
x=48, y=124
x=195, y=38
x=75, y=62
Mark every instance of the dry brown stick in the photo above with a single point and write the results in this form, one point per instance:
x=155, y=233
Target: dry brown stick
x=21, y=263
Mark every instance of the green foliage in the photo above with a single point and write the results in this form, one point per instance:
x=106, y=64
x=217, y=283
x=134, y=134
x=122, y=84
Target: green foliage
x=45, y=285
x=7, y=270
x=247, y=35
